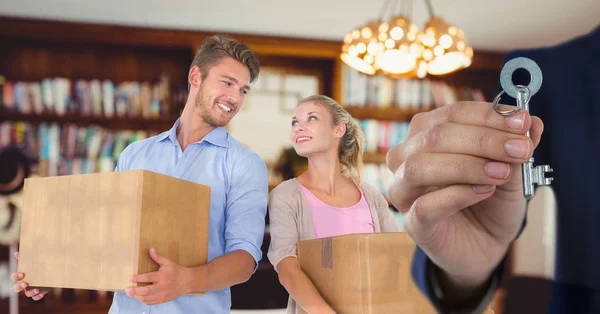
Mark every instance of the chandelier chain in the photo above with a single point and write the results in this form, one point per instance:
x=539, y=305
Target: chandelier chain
x=384, y=9
x=429, y=8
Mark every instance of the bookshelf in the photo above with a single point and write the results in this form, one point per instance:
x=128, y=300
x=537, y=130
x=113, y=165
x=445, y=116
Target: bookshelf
x=116, y=123
x=375, y=112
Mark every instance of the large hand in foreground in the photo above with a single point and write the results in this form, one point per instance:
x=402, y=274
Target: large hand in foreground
x=33, y=293
x=458, y=181
x=167, y=284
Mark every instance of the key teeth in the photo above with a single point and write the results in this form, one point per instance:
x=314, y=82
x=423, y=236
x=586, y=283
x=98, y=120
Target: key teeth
x=540, y=175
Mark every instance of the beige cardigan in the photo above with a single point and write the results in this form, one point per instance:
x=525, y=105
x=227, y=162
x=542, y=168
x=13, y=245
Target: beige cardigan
x=290, y=221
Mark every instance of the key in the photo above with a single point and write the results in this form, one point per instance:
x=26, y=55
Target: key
x=531, y=175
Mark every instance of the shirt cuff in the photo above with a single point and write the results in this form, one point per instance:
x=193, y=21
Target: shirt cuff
x=476, y=305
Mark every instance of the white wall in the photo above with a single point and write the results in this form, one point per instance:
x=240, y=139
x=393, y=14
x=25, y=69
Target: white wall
x=264, y=122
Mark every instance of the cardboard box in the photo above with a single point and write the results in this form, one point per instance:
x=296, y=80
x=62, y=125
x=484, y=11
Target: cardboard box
x=93, y=231
x=364, y=273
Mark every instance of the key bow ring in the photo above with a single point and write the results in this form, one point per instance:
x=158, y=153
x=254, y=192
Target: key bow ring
x=520, y=92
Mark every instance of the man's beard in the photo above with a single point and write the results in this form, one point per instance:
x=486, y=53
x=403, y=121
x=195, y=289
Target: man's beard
x=204, y=107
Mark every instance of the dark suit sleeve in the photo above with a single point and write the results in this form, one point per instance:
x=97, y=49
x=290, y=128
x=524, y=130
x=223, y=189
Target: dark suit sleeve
x=423, y=275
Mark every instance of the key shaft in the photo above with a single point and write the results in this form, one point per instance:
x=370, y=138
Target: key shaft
x=531, y=175
x=526, y=168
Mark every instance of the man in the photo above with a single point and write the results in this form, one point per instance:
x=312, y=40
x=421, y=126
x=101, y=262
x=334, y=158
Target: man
x=458, y=179
x=199, y=149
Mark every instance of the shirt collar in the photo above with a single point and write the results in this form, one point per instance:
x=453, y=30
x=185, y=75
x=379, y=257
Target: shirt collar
x=217, y=137
x=171, y=133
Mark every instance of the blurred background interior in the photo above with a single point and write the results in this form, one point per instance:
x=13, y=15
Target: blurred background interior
x=80, y=80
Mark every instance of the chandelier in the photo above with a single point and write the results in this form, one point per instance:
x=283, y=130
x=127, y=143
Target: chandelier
x=397, y=48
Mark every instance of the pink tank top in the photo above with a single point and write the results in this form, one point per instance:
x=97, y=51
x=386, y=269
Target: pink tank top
x=332, y=221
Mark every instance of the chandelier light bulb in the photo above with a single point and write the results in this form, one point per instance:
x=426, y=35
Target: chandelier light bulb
x=366, y=33
x=397, y=48
x=449, y=50
x=359, y=54
x=396, y=33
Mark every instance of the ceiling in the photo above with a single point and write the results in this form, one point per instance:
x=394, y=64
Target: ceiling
x=489, y=25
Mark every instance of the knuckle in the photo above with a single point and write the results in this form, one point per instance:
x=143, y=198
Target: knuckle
x=409, y=170
x=418, y=119
x=454, y=111
x=483, y=140
x=432, y=136
x=393, y=189
x=489, y=116
x=419, y=212
x=422, y=120
x=410, y=228
x=397, y=194
x=462, y=168
x=394, y=157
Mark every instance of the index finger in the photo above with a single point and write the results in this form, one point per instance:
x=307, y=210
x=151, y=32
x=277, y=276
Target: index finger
x=148, y=277
x=477, y=113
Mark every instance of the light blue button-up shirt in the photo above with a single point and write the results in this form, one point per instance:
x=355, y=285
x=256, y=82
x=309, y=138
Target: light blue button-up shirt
x=239, y=188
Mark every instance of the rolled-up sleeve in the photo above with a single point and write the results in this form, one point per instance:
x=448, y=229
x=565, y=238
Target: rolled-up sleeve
x=247, y=207
x=282, y=227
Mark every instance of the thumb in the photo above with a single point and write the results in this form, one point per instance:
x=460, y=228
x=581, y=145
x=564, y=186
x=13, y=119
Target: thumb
x=160, y=260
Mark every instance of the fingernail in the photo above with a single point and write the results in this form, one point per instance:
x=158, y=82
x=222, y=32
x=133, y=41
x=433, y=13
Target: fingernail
x=36, y=291
x=20, y=276
x=497, y=170
x=23, y=285
x=515, y=121
x=481, y=189
x=517, y=148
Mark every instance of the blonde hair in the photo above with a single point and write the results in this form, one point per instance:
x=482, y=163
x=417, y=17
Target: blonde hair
x=351, y=145
x=216, y=47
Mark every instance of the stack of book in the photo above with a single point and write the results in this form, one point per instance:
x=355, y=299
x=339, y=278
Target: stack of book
x=380, y=136
x=381, y=91
x=69, y=149
x=92, y=98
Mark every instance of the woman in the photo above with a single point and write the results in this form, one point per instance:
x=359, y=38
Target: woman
x=327, y=200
